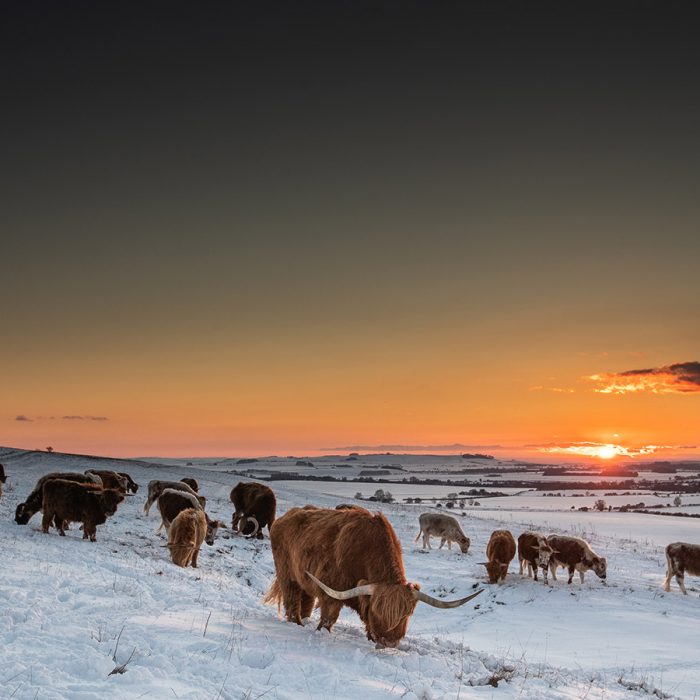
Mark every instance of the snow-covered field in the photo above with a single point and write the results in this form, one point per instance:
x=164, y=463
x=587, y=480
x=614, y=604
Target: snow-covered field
x=72, y=611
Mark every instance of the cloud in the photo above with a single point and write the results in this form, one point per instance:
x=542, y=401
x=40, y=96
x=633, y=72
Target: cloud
x=553, y=389
x=24, y=419
x=100, y=418
x=603, y=450
x=679, y=378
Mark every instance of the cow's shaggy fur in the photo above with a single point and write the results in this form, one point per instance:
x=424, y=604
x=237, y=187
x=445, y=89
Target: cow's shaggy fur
x=192, y=483
x=156, y=487
x=67, y=501
x=32, y=505
x=171, y=503
x=110, y=479
x=343, y=549
x=187, y=532
x=252, y=500
x=3, y=478
x=131, y=484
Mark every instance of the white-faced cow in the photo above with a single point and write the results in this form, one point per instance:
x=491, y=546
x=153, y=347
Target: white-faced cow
x=575, y=554
x=443, y=526
x=535, y=551
x=681, y=557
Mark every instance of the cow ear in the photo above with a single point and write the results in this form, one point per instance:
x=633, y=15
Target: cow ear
x=414, y=586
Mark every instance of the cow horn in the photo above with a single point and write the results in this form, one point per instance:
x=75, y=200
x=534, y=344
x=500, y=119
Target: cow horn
x=437, y=603
x=366, y=589
x=257, y=526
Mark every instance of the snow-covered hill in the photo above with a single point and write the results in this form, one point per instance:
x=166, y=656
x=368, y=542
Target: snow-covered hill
x=72, y=611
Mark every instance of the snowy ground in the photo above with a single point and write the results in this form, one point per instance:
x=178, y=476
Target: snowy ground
x=71, y=611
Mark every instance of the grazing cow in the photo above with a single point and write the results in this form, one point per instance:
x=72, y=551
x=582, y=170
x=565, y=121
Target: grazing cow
x=255, y=506
x=345, y=557
x=131, y=484
x=681, y=557
x=575, y=554
x=3, y=478
x=171, y=503
x=68, y=501
x=443, y=526
x=187, y=532
x=534, y=549
x=156, y=487
x=110, y=479
x=32, y=505
x=500, y=552
x=192, y=483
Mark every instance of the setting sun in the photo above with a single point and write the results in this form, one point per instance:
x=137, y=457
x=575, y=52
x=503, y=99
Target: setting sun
x=607, y=451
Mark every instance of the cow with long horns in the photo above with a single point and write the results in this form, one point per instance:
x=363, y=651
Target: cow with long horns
x=345, y=557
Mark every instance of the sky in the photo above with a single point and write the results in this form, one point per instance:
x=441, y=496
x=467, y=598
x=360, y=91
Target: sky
x=280, y=229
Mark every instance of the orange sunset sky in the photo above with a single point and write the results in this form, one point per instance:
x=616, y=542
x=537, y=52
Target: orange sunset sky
x=291, y=234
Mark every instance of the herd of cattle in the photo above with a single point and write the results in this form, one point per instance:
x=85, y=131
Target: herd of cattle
x=355, y=551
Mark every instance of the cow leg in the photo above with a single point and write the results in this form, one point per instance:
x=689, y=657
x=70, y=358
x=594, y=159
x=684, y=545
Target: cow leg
x=520, y=570
x=330, y=609
x=449, y=545
x=571, y=573
x=580, y=575
x=291, y=598
x=442, y=543
x=553, y=571
x=534, y=570
x=306, y=605
x=667, y=580
x=195, y=554
x=426, y=541
x=160, y=527
x=680, y=578
x=544, y=575
x=46, y=521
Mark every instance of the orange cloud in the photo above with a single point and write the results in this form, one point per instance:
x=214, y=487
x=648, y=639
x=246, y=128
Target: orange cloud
x=603, y=450
x=679, y=378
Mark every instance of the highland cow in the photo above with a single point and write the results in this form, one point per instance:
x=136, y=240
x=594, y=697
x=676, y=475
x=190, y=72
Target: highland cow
x=345, y=557
x=255, y=506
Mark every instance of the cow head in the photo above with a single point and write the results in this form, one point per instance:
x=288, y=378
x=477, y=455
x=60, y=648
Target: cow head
x=385, y=608
x=22, y=515
x=212, y=528
x=600, y=567
x=496, y=570
x=464, y=543
x=249, y=526
x=111, y=498
x=544, y=554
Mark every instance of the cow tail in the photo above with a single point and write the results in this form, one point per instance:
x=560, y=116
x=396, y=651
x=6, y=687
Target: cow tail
x=418, y=535
x=274, y=595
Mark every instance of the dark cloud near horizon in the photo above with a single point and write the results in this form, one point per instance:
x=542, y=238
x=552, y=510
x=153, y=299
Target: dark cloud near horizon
x=24, y=419
x=677, y=378
x=97, y=418
x=410, y=448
